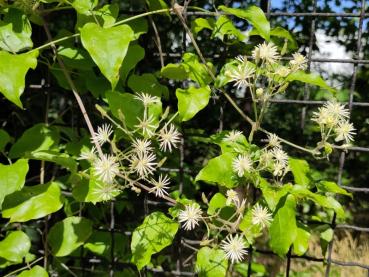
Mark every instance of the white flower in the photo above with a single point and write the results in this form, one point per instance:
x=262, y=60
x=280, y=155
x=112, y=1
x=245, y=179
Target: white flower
x=106, y=168
x=232, y=136
x=89, y=155
x=234, y=248
x=143, y=163
x=141, y=145
x=267, y=52
x=273, y=140
x=168, y=137
x=232, y=197
x=105, y=191
x=331, y=114
x=146, y=126
x=261, y=216
x=283, y=71
x=242, y=164
x=280, y=156
x=160, y=186
x=299, y=62
x=103, y=133
x=266, y=158
x=345, y=131
x=190, y=216
x=241, y=75
x=146, y=98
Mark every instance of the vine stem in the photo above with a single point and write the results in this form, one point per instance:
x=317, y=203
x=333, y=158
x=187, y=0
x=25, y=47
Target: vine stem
x=53, y=42
x=177, y=10
x=75, y=93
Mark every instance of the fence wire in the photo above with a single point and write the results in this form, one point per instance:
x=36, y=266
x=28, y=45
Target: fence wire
x=88, y=264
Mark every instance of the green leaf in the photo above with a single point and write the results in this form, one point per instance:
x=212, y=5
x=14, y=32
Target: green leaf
x=125, y=104
x=273, y=194
x=4, y=139
x=67, y=235
x=325, y=186
x=326, y=235
x=191, y=101
x=285, y=34
x=156, y=232
x=300, y=169
x=14, y=248
x=12, y=178
x=155, y=5
x=75, y=58
x=202, y=23
x=250, y=230
x=219, y=171
x=224, y=27
x=147, y=83
x=174, y=71
x=135, y=54
x=36, y=271
x=13, y=70
x=84, y=6
x=324, y=201
x=309, y=78
x=55, y=157
x=33, y=202
x=239, y=145
x=15, y=31
x=301, y=244
x=211, y=262
x=254, y=15
x=196, y=70
x=37, y=138
x=106, y=16
x=107, y=47
x=283, y=230
x=218, y=201
x=100, y=244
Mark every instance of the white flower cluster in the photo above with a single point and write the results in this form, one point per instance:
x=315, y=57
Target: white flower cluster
x=267, y=75
x=333, y=121
x=138, y=162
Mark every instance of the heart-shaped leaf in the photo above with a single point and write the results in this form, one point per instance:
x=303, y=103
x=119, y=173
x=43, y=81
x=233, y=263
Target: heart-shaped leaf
x=13, y=70
x=107, y=47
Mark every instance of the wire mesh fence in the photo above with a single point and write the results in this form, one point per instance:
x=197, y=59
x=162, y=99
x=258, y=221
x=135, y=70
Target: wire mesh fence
x=182, y=244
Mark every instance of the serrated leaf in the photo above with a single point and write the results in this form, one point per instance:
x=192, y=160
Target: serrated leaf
x=135, y=54
x=107, y=47
x=15, y=31
x=211, y=262
x=12, y=178
x=254, y=15
x=147, y=83
x=36, y=271
x=156, y=232
x=14, y=248
x=13, y=70
x=191, y=101
x=219, y=171
x=174, y=71
x=309, y=78
x=33, y=202
x=67, y=235
x=283, y=230
x=37, y=138
x=325, y=186
x=300, y=169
